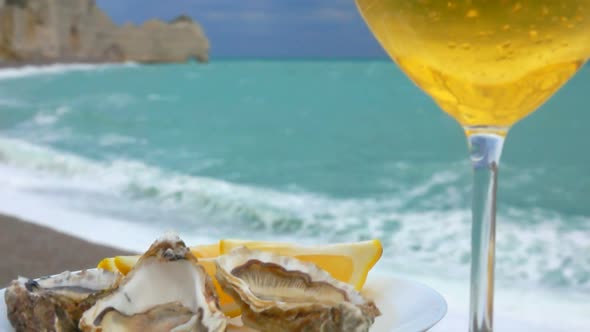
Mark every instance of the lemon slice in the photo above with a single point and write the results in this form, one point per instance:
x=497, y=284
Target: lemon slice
x=347, y=262
x=226, y=303
x=108, y=264
x=124, y=264
x=206, y=251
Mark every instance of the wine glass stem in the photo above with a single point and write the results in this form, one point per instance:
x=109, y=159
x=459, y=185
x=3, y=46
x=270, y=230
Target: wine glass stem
x=485, y=148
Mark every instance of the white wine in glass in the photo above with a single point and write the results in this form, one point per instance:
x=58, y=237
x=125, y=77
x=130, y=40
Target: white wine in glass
x=487, y=63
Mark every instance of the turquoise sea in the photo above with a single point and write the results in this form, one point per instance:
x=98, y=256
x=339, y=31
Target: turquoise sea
x=307, y=150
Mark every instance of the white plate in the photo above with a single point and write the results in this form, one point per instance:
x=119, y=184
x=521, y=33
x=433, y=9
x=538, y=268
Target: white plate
x=406, y=306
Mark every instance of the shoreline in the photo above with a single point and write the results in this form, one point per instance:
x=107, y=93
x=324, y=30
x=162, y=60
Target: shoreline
x=37, y=249
x=74, y=62
x=45, y=63
x=517, y=309
x=33, y=251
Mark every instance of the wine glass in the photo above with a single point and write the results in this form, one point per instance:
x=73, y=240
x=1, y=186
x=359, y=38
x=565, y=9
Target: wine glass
x=488, y=64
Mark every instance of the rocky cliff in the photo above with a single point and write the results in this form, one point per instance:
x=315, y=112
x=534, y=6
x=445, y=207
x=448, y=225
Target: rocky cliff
x=51, y=31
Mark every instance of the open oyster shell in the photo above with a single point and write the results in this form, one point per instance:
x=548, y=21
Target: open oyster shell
x=167, y=290
x=278, y=293
x=55, y=303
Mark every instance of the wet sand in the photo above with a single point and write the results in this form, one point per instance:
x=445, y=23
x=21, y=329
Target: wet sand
x=29, y=250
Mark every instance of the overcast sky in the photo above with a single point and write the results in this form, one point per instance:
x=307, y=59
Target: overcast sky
x=267, y=28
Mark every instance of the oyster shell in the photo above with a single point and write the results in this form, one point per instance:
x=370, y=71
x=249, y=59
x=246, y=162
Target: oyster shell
x=167, y=290
x=55, y=303
x=278, y=293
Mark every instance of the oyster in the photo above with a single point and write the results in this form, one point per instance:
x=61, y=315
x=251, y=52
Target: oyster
x=167, y=290
x=55, y=303
x=278, y=293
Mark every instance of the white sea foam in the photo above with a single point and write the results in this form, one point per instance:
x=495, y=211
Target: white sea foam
x=420, y=244
x=49, y=117
x=539, y=251
x=27, y=71
x=516, y=310
x=116, y=139
x=124, y=234
x=119, y=100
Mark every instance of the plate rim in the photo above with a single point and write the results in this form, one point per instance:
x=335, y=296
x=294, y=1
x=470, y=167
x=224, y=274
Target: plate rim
x=444, y=307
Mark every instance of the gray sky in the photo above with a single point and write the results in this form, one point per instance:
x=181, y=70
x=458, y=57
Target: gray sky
x=263, y=28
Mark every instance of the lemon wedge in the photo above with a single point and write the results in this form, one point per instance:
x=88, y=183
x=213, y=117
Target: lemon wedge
x=108, y=264
x=205, y=251
x=226, y=303
x=347, y=262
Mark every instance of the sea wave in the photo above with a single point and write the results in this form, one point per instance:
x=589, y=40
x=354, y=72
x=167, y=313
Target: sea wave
x=113, y=139
x=49, y=117
x=534, y=247
x=28, y=71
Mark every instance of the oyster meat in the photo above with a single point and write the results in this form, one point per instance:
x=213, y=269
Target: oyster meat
x=167, y=290
x=278, y=293
x=55, y=303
